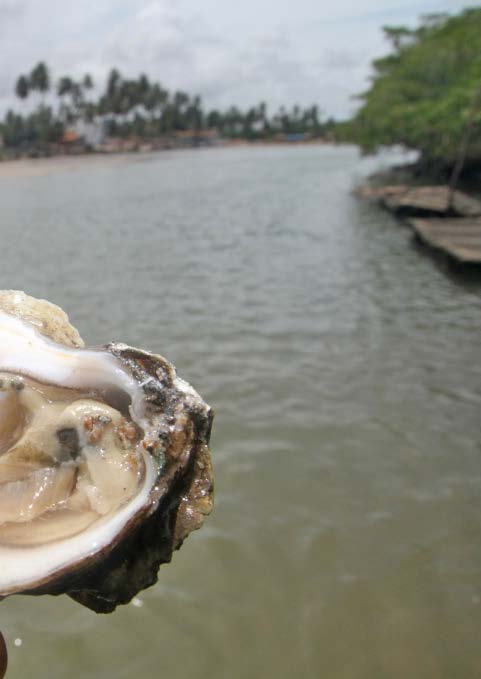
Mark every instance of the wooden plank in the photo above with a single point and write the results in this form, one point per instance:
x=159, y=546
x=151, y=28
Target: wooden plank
x=455, y=231
x=380, y=192
x=452, y=236
x=467, y=255
x=433, y=199
x=421, y=200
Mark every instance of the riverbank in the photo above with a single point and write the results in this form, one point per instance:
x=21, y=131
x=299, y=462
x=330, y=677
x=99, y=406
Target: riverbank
x=180, y=141
x=34, y=167
x=58, y=163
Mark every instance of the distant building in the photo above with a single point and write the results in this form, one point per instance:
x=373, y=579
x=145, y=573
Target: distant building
x=71, y=142
x=90, y=134
x=70, y=137
x=257, y=126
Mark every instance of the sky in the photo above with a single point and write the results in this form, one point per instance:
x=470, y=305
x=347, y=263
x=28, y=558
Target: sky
x=229, y=52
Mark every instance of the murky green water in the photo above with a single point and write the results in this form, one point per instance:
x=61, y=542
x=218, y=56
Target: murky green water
x=345, y=369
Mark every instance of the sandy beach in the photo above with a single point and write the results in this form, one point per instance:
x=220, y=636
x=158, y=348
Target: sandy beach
x=34, y=167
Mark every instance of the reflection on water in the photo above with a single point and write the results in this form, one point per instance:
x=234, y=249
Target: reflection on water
x=345, y=370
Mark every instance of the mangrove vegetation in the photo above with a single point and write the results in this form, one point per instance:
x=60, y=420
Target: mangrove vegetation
x=426, y=94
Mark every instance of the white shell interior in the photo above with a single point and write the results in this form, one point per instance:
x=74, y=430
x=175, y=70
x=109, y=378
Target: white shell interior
x=25, y=352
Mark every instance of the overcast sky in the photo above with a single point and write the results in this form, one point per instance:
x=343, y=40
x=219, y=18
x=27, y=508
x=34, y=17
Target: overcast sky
x=228, y=51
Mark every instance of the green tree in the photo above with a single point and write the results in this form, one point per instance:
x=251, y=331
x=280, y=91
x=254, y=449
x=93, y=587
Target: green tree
x=87, y=82
x=64, y=89
x=139, y=107
x=22, y=87
x=64, y=86
x=40, y=79
x=422, y=93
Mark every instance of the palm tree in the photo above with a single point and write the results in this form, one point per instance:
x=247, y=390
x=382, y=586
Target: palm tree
x=181, y=100
x=40, y=79
x=87, y=82
x=88, y=107
x=113, y=83
x=77, y=97
x=22, y=87
x=197, y=113
x=155, y=100
x=233, y=121
x=215, y=120
x=143, y=86
x=64, y=88
x=263, y=116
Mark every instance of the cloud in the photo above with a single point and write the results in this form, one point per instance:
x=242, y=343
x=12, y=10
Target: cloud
x=11, y=9
x=342, y=59
x=230, y=53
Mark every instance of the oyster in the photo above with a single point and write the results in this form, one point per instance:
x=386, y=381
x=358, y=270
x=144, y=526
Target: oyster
x=104, y=460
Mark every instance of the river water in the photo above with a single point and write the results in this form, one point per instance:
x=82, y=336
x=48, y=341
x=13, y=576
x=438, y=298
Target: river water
x=345, y=369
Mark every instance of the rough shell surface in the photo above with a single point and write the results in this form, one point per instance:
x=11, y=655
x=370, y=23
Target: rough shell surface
x=49, y=319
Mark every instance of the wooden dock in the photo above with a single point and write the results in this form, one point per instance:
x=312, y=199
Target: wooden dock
x=449, y=224
x=422, y=200
x=459, y=238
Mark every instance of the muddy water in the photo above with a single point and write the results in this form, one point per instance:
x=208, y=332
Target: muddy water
x=345, y=369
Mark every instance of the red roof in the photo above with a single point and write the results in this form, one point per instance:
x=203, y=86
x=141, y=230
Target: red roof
x=69, y=136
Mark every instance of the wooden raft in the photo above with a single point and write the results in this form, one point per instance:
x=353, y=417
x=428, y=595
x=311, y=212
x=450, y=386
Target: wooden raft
x=458, y=238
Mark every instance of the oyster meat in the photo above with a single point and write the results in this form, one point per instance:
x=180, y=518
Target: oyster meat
x=104, y=460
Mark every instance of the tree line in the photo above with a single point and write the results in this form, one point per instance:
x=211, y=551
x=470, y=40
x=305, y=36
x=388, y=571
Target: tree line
x=426, y=94
x=139, y=108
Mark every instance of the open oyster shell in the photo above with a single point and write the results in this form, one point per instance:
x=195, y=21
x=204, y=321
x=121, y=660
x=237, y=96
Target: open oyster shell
x=104, y=460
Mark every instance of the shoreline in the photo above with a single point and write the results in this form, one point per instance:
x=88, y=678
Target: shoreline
x=38, y=167
x=43, y=166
